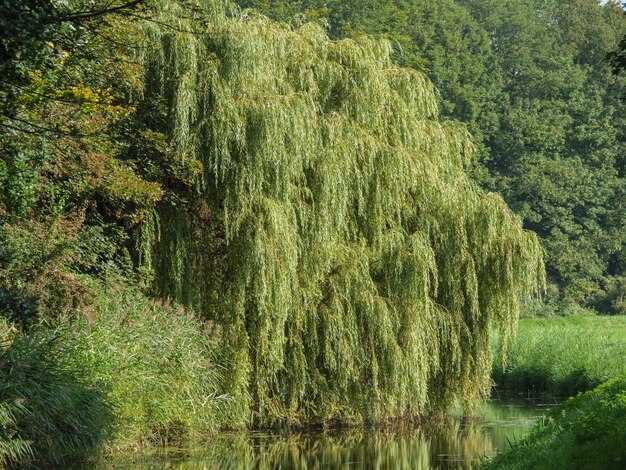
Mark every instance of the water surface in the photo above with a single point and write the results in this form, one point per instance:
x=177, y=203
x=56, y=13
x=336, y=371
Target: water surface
x=457, y=443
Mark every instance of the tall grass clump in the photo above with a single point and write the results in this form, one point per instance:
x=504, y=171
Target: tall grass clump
x=587, y=431
x=355, y=270
x=564, y=355
x=158, y=365
x=127, y=374
x=50, y=408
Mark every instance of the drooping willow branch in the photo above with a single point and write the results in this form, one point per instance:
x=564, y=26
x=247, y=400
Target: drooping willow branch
x=355, y=270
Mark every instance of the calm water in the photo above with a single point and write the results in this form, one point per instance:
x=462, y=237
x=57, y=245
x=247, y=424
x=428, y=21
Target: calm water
x=457, y=444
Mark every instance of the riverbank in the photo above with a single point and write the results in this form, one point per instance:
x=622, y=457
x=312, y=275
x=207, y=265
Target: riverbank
x=130, y=374
x=587, y=431
x=579, y=357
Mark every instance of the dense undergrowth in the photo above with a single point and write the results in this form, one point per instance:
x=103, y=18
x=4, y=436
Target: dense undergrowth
x=160, y=365
x=128, y=375
x=561, y=356
x=588, y=431
x=49, y=405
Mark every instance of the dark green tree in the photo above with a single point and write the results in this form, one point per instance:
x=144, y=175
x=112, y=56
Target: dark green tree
x=557, y=155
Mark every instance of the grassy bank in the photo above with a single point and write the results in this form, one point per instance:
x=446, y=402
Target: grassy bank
x=587, y=431
x=129, y=374
x=50, y=406
x=563, y=355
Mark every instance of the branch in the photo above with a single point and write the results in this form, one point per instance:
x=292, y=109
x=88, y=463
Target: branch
x=76, y=17
x=49, y=130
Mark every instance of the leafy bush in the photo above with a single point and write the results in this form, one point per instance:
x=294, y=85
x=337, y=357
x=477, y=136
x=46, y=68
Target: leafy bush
x=587, y=431
x=36, y=279
x=563, y=355
x=552, y=306
x=615, y=300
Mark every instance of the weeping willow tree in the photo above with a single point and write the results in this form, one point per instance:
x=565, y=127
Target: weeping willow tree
x=354, y=270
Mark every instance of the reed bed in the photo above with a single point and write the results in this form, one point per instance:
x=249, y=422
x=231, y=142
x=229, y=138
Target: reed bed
x=561, y=356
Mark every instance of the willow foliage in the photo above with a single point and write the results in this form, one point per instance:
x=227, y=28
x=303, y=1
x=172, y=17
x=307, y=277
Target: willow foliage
x=355, y=271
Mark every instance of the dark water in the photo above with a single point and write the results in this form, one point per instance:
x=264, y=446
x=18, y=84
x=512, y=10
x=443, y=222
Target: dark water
x=455, y=444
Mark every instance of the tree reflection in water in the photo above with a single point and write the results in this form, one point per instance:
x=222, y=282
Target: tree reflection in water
x=456, y=443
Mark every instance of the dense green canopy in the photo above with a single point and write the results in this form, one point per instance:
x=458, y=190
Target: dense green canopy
x=354, y=269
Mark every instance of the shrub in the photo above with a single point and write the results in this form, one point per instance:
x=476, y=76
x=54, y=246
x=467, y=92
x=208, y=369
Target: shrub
x=158, y=364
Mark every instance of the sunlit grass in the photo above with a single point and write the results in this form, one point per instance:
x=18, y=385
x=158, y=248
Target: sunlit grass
x=563, y=355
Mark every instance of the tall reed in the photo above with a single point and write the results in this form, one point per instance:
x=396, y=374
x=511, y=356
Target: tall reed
x=50, y=407
x=563, y=355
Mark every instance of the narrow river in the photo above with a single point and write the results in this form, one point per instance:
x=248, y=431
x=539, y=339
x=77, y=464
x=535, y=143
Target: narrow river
x=457, y=444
